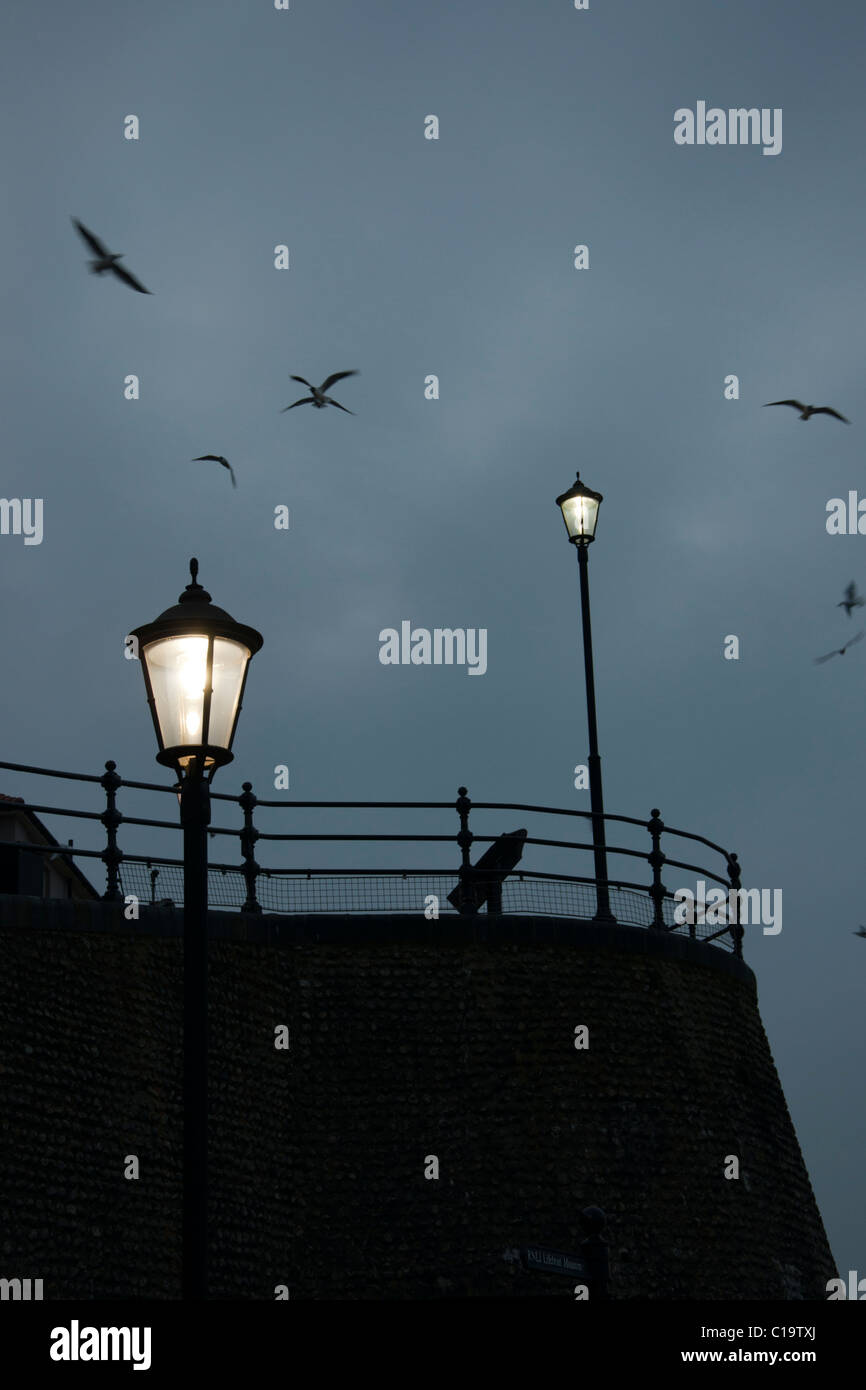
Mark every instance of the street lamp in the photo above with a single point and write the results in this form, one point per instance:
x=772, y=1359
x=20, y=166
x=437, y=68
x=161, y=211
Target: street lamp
x=580, y=513
x=195, y=659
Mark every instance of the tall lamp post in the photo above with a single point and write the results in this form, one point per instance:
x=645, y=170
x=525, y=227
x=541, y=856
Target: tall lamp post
x=580, y=513
x=195, y=658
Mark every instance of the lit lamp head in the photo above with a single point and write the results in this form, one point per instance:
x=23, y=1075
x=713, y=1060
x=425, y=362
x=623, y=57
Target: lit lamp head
x=580, y=512
x=195, y=659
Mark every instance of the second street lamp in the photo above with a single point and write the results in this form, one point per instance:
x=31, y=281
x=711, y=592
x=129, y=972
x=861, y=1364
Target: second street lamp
x=195, y=659
x=579, y=508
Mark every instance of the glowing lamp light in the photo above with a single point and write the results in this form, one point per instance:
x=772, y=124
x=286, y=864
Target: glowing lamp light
x=195, y=659
x=580, y=512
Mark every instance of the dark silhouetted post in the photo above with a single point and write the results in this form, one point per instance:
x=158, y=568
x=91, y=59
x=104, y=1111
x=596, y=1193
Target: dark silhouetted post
x=111, y=819
x=195, y=818
x=737, y=930
x=596, y=799
x=580, y=513
x=656, y=858
x=464, y=840
x=249, y=835
x=194, y=658
x=594, y=1249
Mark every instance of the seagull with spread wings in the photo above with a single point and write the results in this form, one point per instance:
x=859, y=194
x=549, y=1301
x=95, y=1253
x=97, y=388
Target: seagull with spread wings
x=318, y=398
x=840, y=651
x=852, y=599
x=807, y=411
x=217, y=458
x=108, y=260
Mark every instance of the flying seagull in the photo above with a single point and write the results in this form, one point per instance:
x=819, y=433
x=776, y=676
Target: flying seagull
x=852, y=599
x=217, y=458
x=861, y=931
x=107, y=260
x=318, y=398
x=840, y=651
x=806, y=411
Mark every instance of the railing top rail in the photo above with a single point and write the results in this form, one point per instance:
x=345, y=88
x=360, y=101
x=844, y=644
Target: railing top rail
x=23, y=805
x=608, y=815
x=691, y=868
x=51, y=772
x=362, y=805
x=94, y=777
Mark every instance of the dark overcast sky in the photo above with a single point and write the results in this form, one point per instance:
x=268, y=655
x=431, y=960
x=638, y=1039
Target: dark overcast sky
x=454, y=257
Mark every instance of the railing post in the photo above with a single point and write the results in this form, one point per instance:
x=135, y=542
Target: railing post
x=249, y=835
x=464, y=839
x=111, y=819
x=737, y=930
x=656, y=858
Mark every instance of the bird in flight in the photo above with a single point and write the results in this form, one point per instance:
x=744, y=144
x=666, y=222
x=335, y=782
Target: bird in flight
x=108, y=260
x=806, y=411
x=852, y=599
x=861, y=931
x=318, y=398
x=840, y=651
x=217, y=458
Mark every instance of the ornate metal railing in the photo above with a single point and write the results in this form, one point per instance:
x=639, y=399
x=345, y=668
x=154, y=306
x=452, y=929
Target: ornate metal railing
x=246, y=886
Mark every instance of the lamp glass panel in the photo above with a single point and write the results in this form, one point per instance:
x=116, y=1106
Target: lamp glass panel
x=177, y=667
x=229, y=665
x=581, y=515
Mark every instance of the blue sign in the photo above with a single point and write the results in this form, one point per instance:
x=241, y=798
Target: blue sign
x=552, y=1261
